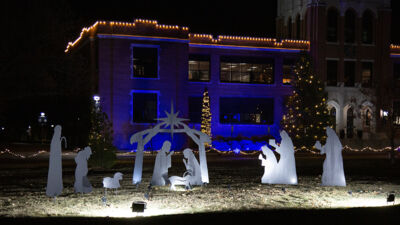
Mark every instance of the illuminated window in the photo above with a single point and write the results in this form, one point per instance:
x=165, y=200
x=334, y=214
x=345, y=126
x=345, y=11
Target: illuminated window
x=246, y=110
x=144, y=107
x=331, y=72
x=145, y=62
x=287, y=71
x=199, y=68
x=247, y=70
x=366, y=74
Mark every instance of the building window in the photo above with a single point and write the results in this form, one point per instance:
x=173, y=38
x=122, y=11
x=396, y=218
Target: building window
x=195, y=106
x=396, y=71
x=247, y=70
x=350, y=123
x=246, y=110
x=396, y=112
x=349, y=73
x=145, y=62
x=298, y=23
x=332, y=113
x=144, y=107
x=366, y=74
x=331, y=72
x=350, y=26
x=199, y=68
x=288, y=75
x=332, y=25
x=367, y=27
x=368, y=117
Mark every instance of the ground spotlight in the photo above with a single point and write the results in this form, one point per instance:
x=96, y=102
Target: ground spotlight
x=138, y=206
x=390, y=198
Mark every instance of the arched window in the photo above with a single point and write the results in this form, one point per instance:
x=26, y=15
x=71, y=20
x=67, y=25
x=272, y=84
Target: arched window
x=368, y=117
x=350, y=26
x=332, y=113
x=289, y=26
x=332, y=25
x=298, y=27
x=350, y=123
x=367, y=27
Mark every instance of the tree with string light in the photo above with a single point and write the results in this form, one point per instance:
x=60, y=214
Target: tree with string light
x=307, y=115
x=206, y=114
x=100, y=137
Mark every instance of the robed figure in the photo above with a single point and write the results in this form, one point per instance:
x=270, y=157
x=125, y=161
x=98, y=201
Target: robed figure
x=333, y=172
x=161, y=165
x=54, y=177
x=82, y=184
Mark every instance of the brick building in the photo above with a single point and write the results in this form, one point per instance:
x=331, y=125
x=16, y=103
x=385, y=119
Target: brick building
x=350, y=45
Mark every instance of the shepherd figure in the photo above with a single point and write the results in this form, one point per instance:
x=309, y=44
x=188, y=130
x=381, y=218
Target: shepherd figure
x=54, y=177
x=161, y=165
x=82, y=184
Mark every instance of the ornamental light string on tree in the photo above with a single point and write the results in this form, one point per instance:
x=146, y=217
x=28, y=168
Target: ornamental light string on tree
x=307, y=115
x=206, y=114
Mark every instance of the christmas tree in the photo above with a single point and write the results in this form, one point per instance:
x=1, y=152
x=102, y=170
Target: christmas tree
x=100, y=138
x=307, y=115
x=206, y=114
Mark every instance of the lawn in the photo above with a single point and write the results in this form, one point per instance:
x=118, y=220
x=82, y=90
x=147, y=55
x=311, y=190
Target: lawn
x=234, y=187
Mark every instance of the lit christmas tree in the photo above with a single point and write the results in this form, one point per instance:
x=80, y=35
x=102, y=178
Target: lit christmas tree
x=307, y=115
x=100, y=138
x=206, y=114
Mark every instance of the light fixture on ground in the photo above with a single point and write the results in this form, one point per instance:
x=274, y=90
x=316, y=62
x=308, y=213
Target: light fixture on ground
x=390, y=198
x=138, y=206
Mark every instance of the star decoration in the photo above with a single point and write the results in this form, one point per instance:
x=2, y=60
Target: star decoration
x=172, y=120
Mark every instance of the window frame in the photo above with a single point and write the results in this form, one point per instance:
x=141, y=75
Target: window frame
x=248, y=61
x=132, y=110
x=132, y=75
x=200, y=60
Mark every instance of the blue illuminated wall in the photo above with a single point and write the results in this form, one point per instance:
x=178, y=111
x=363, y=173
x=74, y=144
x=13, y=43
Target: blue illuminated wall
x=116, y=86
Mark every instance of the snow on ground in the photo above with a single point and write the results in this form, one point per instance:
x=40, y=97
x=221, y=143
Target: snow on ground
x=234, y=185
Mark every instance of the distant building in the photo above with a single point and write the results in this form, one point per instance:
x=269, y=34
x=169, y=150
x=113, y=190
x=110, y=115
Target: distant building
x=139, y=67
x=350, y=44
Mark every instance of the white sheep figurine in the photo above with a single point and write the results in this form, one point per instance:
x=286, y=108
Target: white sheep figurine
x=112, y=183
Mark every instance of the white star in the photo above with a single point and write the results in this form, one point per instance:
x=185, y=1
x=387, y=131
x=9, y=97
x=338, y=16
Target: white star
x=172, y=120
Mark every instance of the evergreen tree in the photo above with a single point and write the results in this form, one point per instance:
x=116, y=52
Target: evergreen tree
x=307, y=115
x=206, y=114
x=100, y=139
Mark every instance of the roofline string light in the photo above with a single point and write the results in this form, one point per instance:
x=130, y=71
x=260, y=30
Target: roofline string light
x=194, y=38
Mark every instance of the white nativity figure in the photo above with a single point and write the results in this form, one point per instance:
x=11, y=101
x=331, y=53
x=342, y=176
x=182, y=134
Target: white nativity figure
x=284, y=171
x=161, y=165
x=112, y=182
x=270, y=164
x=192, y=176
x=82, y=184
x=54, y=177
x=170, y=124
x=333, y=172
